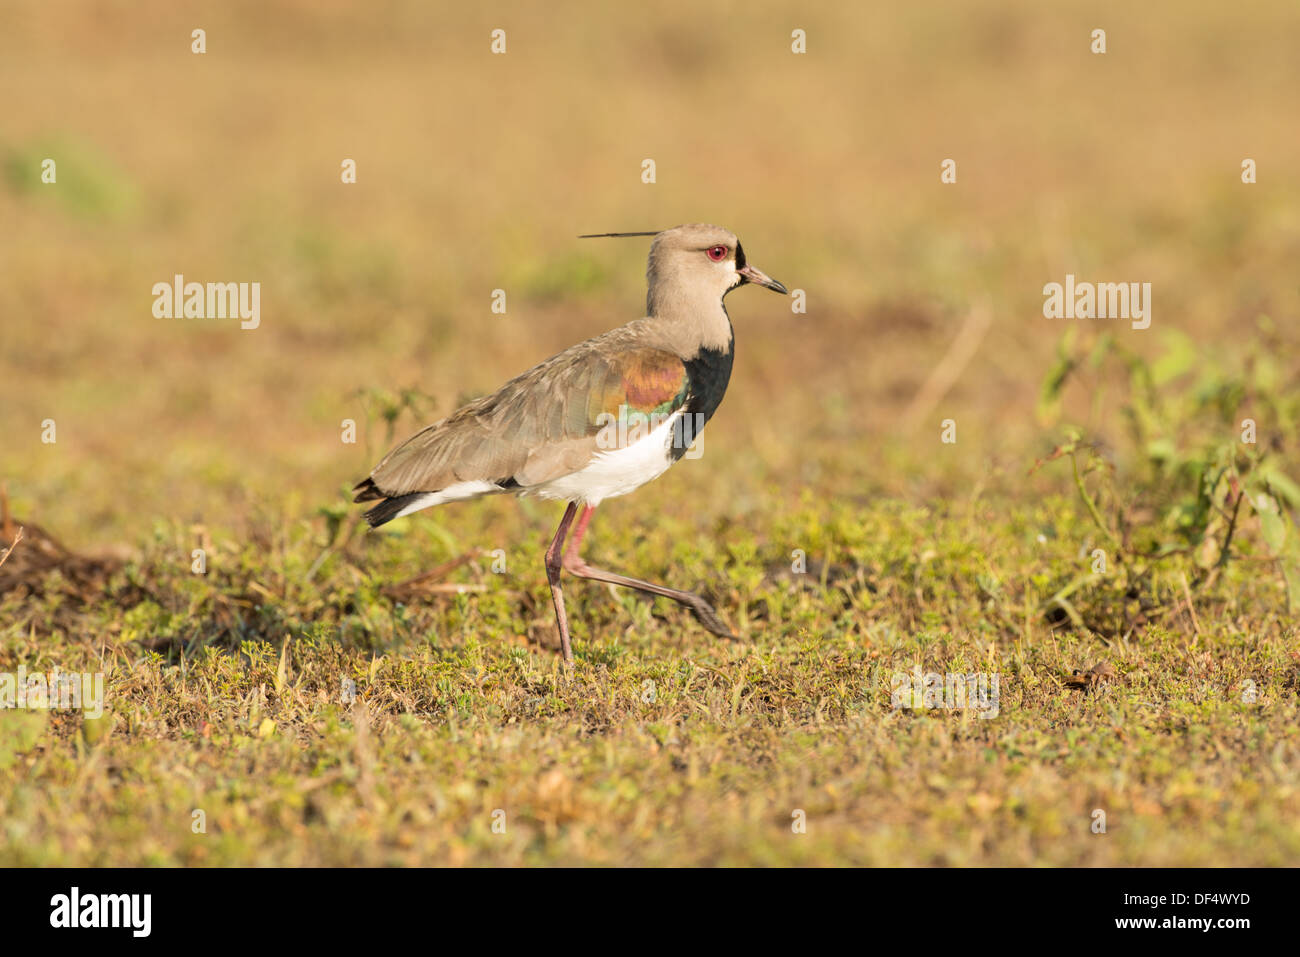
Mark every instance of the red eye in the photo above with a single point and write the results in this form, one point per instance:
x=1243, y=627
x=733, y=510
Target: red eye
x=718, y=253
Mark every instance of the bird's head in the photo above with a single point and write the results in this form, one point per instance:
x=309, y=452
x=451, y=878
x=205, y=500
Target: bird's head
x=706, y=257
x=697, y=260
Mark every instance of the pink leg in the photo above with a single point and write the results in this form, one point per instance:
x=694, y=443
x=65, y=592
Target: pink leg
x=579, y=530
x=574, y=565
x=553, y=565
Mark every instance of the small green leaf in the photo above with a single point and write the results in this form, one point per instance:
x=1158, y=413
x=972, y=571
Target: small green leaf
x=20, y=730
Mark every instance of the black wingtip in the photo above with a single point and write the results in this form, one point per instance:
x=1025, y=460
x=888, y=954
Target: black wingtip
x=366, y=491
x=388, y=509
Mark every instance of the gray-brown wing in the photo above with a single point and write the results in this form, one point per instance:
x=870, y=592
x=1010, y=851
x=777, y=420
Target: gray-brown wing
x=541, y=424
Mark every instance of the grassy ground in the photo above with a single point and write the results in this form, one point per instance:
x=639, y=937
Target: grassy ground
x=319, y=703
x=665, y=745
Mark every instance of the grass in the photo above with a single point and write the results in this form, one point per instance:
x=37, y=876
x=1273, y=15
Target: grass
x=665, y=745
x=307, y=699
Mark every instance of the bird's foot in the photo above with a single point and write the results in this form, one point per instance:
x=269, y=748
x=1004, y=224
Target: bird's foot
x=707, y=617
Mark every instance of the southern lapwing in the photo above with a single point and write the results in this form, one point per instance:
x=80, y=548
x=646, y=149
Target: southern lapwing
x=596, y=421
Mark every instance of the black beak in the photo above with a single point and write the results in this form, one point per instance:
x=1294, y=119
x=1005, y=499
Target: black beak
x=760, y=278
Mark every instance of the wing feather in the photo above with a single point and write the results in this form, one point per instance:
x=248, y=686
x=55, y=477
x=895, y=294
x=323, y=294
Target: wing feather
x=541, y=424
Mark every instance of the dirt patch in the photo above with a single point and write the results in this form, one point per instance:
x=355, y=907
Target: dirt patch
x=33, y=563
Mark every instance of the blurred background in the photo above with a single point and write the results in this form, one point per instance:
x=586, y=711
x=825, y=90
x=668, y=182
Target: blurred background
x=477, y=171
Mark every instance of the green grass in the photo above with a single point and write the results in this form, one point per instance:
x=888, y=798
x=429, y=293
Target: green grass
x=665, y=745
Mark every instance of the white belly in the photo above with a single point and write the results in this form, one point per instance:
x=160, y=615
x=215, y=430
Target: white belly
x=616, y=471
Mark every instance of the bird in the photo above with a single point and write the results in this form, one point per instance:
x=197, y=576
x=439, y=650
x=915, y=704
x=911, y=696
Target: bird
x=596, y=421
x=1090, y=680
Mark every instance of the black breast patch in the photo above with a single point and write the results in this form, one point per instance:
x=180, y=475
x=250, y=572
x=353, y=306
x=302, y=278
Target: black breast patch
x=707, y=376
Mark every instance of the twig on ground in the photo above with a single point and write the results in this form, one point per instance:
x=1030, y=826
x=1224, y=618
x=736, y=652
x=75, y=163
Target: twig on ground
x=950, y=367
x=1187, y=593
x=424, y=582
x=18, y=537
